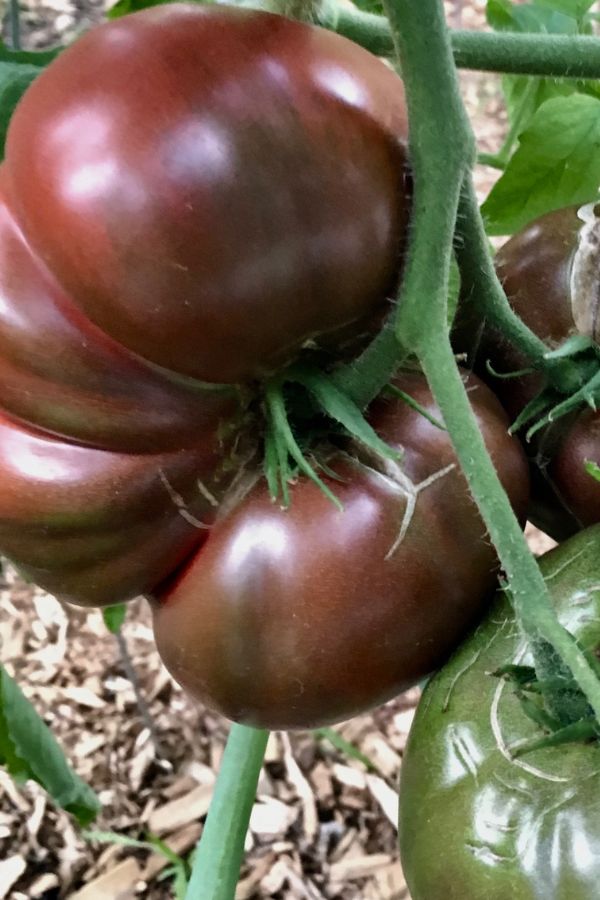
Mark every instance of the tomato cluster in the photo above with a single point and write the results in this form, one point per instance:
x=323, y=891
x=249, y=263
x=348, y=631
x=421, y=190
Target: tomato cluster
x=193, y=198
x=549, y=272
x=182, y=206
x=293, y=618
x=481, y=765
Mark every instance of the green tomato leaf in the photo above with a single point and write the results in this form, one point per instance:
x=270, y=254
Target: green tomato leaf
x=125, y=7
x=500, y=15
x=575, y=8
x=38, y=58
x=114, y=616
x=557, y=163
x=592, y=468
x=29, y=750
x=15, y=78
x=503, y=15
x=371, y=6
x=524, y=95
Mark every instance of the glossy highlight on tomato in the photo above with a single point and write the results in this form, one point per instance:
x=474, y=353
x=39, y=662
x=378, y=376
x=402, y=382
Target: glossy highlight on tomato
x=214, y=187
x=190, y=197
x=550, y=274
x=292, y=618
x=474, y=822
x=96, y=527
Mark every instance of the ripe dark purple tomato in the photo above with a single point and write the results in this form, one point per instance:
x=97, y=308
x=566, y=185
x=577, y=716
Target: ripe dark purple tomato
x=292, y=618
x=61, y=373
x=214, y=187
x=97, y=527
x=551, y=274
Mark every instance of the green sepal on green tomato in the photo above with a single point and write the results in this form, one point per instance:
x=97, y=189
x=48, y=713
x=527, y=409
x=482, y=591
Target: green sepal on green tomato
x=476, y=823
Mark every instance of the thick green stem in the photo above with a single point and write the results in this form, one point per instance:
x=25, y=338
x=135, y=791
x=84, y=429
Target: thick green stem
x=553, y=55
x=441, y=150
x=528, y=590
x=218, y=858
x=365, y=377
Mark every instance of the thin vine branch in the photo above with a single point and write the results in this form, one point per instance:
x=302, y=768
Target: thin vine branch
x=553, y=55
x=441, y=151
x=15, y=25
x=140, y=700
x=481, y=286
x=500, y=159
x=218, y=858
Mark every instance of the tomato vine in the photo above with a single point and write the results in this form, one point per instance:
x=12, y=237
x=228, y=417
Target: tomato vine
x=442, y=154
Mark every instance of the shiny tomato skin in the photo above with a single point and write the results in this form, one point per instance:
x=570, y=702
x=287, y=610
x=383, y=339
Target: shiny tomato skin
x=579, y=492
x=214, y=187
x=96, y=527
x=59, y=372
x=293, y=618
x=476, y=824
x=535, y=267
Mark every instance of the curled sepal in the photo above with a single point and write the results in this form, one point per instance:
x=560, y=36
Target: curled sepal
x=286, y=445
x=340, y=407
x=584, y=730
x=537, y=406
x=588, y=394
x=394, y=391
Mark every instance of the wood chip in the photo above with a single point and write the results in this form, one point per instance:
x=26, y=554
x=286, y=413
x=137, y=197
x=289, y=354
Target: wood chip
x=181, y=811
x=246, y=888
x=385, y=796
x=310, y=819
x=10, y=871
x=403, y=720
x=34, y=821
x=381, y=754
x=391, y=883
x=361, y=867
x=84, y=697
x=43, y=884
x=272, y=818
x=350, y=777
x=120, y=883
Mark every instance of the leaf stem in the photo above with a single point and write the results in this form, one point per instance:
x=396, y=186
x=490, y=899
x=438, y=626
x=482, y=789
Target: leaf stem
x=552, y=55
x=218, y=858
x=140, y=700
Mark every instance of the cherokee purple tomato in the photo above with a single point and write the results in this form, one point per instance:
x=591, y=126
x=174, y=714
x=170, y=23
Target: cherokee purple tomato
x=96, y=527
x=61, y=373
x=298, y=617
x=551, y=274
x=214, y=187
